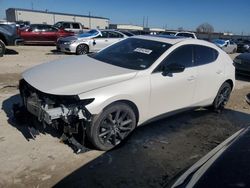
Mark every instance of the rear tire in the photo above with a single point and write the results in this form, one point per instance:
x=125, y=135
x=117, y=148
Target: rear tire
x=111, y=126
x=2, y=48
x=222, y=97
x=82, y=49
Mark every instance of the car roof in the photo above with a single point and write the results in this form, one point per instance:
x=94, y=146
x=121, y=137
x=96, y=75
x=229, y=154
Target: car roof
x=163, y=38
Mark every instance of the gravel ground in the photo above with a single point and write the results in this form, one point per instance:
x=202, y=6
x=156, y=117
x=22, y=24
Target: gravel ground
x=150, y=158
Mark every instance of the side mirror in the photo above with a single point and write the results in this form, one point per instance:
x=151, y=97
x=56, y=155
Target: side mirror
x=172, y=68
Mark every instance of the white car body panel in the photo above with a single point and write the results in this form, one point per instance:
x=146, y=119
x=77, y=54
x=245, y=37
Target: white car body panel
x=73, y=78
x=152, y=93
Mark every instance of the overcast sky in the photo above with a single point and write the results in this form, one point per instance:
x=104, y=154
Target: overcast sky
x=224, y=15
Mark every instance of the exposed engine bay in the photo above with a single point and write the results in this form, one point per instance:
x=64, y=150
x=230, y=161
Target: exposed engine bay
x=67, y=113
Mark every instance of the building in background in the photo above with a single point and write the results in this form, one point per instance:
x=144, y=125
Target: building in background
x=46, y=17
x=126, y=27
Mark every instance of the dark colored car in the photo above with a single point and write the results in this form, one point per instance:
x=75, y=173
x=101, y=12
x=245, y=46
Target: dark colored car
x=43, y=34
x=227, y=165
x=243, y=46
x=8, y=36
x=242, y=64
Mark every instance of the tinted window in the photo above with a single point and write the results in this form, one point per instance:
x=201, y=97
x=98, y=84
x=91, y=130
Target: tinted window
x=182, y=55
x=34, y=27
x=76, y=26
x=185, y=35
x=114, y=35
x=127, y=33
x=66, y=25
x=51, y=29
x=232, y=43
x=104, y=34
x=132, y=53
x=168, y=33
x=41, y=27
x=204, y=55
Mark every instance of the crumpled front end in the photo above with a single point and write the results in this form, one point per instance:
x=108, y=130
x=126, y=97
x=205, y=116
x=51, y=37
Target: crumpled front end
x=66, y=112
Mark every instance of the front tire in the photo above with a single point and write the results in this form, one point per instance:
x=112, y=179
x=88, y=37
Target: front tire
x=82, y=49
x=222, y=97
x=112, y=126
x=2, y=48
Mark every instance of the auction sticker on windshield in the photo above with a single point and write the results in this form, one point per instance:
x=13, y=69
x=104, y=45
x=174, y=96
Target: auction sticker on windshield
x=143, y=50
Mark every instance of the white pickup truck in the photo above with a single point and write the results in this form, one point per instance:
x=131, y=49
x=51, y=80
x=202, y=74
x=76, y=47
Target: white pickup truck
x=75, y=27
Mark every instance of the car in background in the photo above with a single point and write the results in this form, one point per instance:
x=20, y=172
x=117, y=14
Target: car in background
x=242, y=64
x=91, y=41
x=227, y=165
x=127, y=84
x=140, y=32
x=179, y=34
x=8, y=36
x=42, y=34
x=227, y=45
x=75, y=27
x=243, y=46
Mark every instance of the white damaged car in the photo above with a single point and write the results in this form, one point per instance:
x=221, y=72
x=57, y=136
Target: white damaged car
x=109, y=93
x=91, y=41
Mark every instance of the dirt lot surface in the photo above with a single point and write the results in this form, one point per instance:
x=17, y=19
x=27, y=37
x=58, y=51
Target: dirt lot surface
x=150, y=158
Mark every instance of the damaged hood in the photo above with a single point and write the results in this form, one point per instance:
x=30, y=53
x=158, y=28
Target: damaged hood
x=72, y=76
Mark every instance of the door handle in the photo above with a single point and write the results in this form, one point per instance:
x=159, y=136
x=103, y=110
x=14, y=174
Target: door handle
x=219, y=71
x=191, y=78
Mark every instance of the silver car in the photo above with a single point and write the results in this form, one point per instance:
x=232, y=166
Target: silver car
x=91, y=41
x=227, y=45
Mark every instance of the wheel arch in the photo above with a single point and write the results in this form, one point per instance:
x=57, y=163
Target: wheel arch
x=230, y=82
x=3, y=38
x=83, y=43
x=130, y=104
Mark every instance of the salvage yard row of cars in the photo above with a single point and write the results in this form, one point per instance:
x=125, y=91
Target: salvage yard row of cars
x=55, y=35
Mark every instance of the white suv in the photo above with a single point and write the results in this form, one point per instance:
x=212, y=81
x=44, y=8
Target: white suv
x=180, y=34
x=127, y=84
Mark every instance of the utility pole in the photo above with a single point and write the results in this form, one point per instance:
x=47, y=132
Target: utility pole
x=143, y=22
x=32, y=5
x=89, y=21
x=147, y=22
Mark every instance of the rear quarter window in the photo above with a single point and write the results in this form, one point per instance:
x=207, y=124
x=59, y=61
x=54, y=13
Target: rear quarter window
x=204, y=55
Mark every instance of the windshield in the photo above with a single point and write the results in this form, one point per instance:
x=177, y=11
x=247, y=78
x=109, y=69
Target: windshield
x=132, y=53
x=90, y=33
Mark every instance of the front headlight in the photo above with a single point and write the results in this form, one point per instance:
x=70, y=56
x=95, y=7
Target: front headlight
x=69, y=42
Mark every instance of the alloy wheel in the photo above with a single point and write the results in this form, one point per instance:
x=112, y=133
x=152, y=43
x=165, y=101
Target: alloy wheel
x=115, y=127
x=223, y=97
x=82, y=49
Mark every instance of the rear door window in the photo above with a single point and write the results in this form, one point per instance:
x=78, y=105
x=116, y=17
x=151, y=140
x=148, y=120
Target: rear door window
x=76, y=26
x=66, y=25
x=204, y=55
x=182, y=55
x=112, y=34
